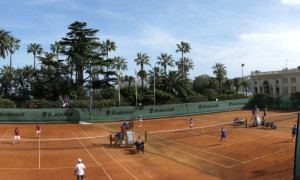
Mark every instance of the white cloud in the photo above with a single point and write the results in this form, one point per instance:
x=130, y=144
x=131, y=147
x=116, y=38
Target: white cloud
x=158, y=39
x=290, y=1
x=262, y=51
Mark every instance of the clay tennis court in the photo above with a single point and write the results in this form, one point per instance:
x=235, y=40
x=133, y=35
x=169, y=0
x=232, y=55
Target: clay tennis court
x=250, y=153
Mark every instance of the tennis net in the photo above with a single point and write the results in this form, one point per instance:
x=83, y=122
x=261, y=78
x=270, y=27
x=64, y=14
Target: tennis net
x=190, y=132
x=282, y=117
x=32, y=143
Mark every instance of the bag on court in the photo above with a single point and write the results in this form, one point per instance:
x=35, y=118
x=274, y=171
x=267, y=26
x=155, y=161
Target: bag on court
x=274, y=126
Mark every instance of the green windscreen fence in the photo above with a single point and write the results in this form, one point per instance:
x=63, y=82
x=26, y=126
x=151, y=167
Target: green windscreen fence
x=117, y=113
x=297, y=153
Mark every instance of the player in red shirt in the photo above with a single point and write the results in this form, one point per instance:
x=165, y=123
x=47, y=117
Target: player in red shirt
x=38, y=131
x=17, y=135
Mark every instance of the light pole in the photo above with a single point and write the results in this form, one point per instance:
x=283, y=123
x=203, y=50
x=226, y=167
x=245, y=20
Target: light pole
x=243, y=78
x=91, y=93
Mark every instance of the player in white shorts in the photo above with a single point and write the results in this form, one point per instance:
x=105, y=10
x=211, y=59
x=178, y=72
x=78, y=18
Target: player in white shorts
x=17, y=135
x=80, y=170
x=140, y=120
x=191, y=123
x=38, y=131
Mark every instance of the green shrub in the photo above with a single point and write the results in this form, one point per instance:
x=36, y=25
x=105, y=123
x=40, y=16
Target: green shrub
x=262, y=101
x=231, y=96
x=198, y=98
x=42, y=103
x=6, y=103
x=295, y=99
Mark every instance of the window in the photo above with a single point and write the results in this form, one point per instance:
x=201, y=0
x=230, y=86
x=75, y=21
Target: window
x=277, y=91
x=255, y=82
x=293, y=88
x=285, y=91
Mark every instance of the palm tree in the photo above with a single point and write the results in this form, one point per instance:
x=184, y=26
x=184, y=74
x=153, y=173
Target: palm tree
x=228, y=84
x=120, y=63
x=108, y=46
x=14, y=46
x=172, y=83
x=130, y=80
x=245, y=85
x=186, y=64
x=4, y=43
x=56, y=48
x=237, y=83
x=34, y=49
x=142, y=59
x=143, y=75
x=165, y=60
x=183, y=47
x=220, y=72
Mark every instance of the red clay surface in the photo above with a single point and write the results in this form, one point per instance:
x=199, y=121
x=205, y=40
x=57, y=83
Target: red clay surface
x=250, y=153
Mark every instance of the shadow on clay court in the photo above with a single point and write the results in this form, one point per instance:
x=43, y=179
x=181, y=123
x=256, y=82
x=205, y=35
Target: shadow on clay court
x=131, y=151
x=282, y=142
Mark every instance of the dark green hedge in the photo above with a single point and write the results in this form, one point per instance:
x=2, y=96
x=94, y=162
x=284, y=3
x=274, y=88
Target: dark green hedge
x=6, y=103
x=231, y=96
x=198, y=98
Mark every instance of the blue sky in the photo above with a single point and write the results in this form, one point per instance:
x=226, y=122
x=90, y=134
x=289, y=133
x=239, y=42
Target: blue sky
x=260, y=34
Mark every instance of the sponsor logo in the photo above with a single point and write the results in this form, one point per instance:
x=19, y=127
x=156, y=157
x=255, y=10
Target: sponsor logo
x=236, y=104
x=208, y=106
x=119, y=112
x=44, y=114
x=161, y=110
x=11, y=114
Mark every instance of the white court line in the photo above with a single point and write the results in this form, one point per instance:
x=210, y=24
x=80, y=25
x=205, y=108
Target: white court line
x=39, y=153
x=43, y=168
x=115, y=160
x=3, y=136
x=66, y=139
x=199, y=149
x=261, y=157
x=120, y=164
x=237, y=142
x=185, y=129
x=99, y=164
x=194, y=155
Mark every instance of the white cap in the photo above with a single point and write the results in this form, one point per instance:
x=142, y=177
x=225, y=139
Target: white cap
x=79, y=160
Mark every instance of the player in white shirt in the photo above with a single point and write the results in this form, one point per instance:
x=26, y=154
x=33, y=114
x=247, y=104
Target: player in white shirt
x=80, y=170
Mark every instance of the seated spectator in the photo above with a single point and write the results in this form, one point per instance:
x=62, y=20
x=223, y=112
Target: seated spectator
x=123, y=129
x=125, y=123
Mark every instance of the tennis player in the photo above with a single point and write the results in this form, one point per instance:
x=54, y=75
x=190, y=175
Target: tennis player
x=294, y=132
x=17, y=135
x=38, y=131
x=140, y=120
x=191, y=123
x=80, y=170
x=223, y=135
